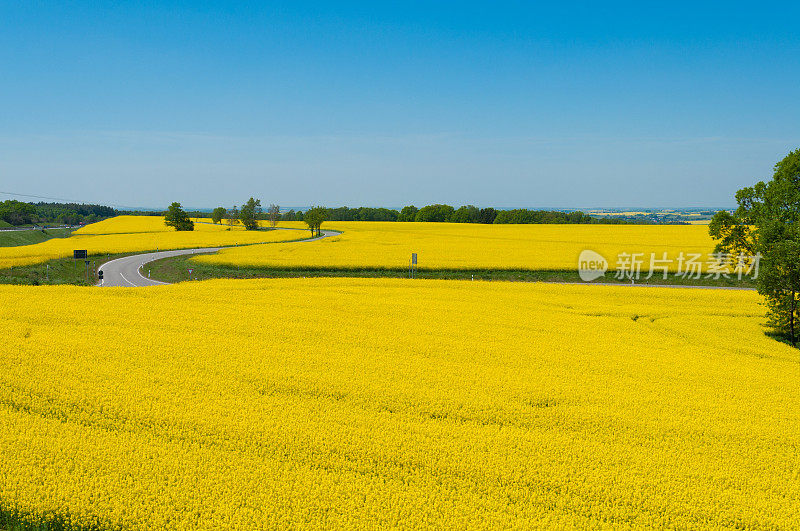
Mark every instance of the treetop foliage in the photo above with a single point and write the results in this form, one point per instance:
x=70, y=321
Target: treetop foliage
x=766, y=223
x=314, y=218
x=250, y=213
x=446, y=213
x=177, y=218
x=21, y=213
x=217, y=214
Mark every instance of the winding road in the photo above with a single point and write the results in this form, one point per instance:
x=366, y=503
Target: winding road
x=126, y=271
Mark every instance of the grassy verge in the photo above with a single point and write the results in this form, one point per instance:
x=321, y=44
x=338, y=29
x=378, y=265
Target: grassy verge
x=59, y=271
x=176, y=269
x=15, y=238
x=69, y=271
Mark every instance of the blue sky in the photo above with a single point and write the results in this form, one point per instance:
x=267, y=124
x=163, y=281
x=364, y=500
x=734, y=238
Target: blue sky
x=385, y=104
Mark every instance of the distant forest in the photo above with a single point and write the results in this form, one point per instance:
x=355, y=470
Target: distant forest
x=464, y=214
x=20, y=213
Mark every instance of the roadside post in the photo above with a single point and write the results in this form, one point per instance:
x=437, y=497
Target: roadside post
x=78, y=254
x=412, y=266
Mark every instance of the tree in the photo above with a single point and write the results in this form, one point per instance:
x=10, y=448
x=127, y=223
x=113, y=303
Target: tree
x=232, y=216
x=17, y=212
x=217, y=214
x=314, y=218
x=360, y=214
x=177, y=218
x=249, y=213
x=766, y=227
x=487, y=215
x=466, y=214
x=274, y=213
x=435, y=213
x=52, y=212
x=408, y=213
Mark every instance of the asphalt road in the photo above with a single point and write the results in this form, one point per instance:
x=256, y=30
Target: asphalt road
x=125, y=271
x=325, y=234
x=40, y=227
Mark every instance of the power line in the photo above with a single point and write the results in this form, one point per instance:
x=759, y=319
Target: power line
x=41, y=197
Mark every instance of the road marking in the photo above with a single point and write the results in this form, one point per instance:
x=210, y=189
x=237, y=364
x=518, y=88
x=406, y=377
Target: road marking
x=147, y=279
x=150, y=257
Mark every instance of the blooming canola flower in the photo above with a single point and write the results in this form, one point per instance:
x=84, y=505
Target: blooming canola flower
x=333, y=402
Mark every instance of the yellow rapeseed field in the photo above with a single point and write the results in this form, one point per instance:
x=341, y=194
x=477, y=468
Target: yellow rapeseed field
x=474, y=246
x=138, y=233
x=131, y=224
x=375, y=402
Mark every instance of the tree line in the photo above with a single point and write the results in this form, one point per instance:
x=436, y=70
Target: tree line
x=250, y=212
x=473, y=214
x=18, y=213
x=247, y=215
x=449, y=214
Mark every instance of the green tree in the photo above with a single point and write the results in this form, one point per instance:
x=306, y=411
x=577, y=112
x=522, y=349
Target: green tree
x=217, y=214
x=274, y=213
x=408, y=213
x=314, y=218
x=249, y=213
x=232, y=216
x=177, y=218
x=439, y=213
x=487, y=215
x=466, y=214
x=766, y=226
x=17, y=212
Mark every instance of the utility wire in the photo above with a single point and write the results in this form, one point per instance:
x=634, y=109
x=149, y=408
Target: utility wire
x=42, y=197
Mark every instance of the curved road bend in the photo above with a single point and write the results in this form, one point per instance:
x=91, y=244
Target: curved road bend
x=125, y=271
